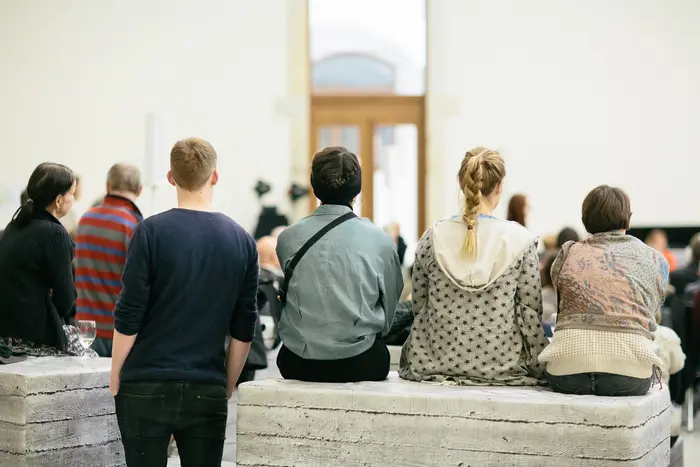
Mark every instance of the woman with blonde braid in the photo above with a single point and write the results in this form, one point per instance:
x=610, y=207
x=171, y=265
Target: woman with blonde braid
x=476, y=291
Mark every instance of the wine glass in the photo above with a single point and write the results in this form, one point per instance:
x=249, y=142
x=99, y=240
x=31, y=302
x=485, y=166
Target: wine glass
x=88, y=330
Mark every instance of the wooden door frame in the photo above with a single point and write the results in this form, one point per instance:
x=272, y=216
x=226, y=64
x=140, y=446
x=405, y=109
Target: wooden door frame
x=367, y=112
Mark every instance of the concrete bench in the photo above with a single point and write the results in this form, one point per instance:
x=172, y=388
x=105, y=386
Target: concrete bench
x=58, y=411
x=395, y=354
x=175, y=462
x=290, y=423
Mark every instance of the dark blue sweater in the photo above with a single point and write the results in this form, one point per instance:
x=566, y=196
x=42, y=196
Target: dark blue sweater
x=190, y=278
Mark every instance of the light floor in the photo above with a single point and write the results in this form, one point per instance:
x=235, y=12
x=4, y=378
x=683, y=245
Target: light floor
x=691, y=441
x=691, y=445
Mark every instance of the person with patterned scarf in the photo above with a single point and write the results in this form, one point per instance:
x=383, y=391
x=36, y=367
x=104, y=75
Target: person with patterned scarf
x=609, y=288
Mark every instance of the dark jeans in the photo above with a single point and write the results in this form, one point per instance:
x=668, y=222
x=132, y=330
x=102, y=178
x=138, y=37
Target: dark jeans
x=370, y=365
x=548, y=331
x=599, y=384
x=149, y=412
x=401, y=327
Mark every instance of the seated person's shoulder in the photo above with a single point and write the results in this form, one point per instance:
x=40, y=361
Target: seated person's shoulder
x=57, y=232
x=235, y=230
x=513, y=232
x=291, y=231
x=366, y=229
x=655, y=254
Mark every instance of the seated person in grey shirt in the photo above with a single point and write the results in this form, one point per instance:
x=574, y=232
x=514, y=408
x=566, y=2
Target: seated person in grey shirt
x=342, y=295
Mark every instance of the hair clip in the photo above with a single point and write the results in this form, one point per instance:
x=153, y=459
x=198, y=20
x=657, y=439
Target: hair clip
x=470, y=227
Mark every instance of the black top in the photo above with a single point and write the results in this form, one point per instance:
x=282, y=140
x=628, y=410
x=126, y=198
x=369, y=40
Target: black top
x=190, y=276
x=681, y=278
x=268, y=221
x=37, y=292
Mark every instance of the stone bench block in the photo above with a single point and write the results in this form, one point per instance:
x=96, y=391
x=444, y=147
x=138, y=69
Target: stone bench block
x=58, y=411
x=395, y=422
x=175, y=462
x=395, y=356
x=110, y=454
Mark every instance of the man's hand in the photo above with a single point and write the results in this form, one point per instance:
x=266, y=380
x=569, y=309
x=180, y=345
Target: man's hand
x=235, y=359
x=121, y=346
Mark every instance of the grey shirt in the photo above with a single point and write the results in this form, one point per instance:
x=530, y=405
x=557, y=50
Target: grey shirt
x=344, y=291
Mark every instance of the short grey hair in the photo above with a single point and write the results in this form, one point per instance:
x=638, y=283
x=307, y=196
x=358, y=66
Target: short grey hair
x=124, y=177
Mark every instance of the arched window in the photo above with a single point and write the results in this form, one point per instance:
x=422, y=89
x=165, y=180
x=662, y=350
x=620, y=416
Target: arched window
x=352, y=73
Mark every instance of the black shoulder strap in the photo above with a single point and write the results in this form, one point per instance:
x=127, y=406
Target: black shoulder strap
x=289, y=270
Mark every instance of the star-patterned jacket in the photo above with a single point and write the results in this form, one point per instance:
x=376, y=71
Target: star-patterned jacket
x=477, y=320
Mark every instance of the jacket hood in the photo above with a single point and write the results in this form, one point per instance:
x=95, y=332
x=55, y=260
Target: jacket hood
x=499, y=244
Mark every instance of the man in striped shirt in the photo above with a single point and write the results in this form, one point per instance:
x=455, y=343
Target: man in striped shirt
x=102, y=239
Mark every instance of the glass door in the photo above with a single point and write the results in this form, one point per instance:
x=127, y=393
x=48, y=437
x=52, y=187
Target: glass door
x=387, y=135
x=395, y=180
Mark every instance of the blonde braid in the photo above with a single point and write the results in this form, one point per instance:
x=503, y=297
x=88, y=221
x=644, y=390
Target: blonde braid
x=471, y=183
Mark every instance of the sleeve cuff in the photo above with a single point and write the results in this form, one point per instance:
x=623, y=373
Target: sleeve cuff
x=244, y=331
x=127, y=329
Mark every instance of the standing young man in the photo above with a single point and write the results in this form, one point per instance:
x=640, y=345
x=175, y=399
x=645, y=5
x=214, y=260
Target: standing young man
x=191, y=276
x=101, y=241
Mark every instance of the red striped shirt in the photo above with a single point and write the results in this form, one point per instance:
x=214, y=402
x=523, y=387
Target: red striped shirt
x=102, y=239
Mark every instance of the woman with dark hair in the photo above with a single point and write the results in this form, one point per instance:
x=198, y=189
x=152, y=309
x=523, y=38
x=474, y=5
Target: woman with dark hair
x=609, y=288
x=37, y=292
x=567, y=234
x=342, y=283
x=518, y=208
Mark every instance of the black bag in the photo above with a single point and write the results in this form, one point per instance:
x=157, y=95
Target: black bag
x=289, y=270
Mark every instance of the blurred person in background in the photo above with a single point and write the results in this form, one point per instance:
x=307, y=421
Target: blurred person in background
x=271, y=277
x=102, y=240
x=70, y=220
x=518, y=209
x=567, y=234
x=394, y=231
x=278, y=230
x=549, y=298
x=658, y=240
x=549, y=244
x=681, y=278
x=269, y=309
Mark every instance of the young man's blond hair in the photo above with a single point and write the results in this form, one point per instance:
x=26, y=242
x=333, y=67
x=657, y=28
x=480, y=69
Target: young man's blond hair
x=192, y=163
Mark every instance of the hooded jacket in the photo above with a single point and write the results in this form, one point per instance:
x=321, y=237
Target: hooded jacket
x=477, y=319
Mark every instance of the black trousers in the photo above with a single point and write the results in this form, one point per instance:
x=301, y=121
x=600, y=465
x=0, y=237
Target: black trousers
x=599, y=384
x=371, y=365
x=150, y=412
x=403, y=322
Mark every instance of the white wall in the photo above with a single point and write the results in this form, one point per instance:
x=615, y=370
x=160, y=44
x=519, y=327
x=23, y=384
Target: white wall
x=78, y=77
x=574, y=94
